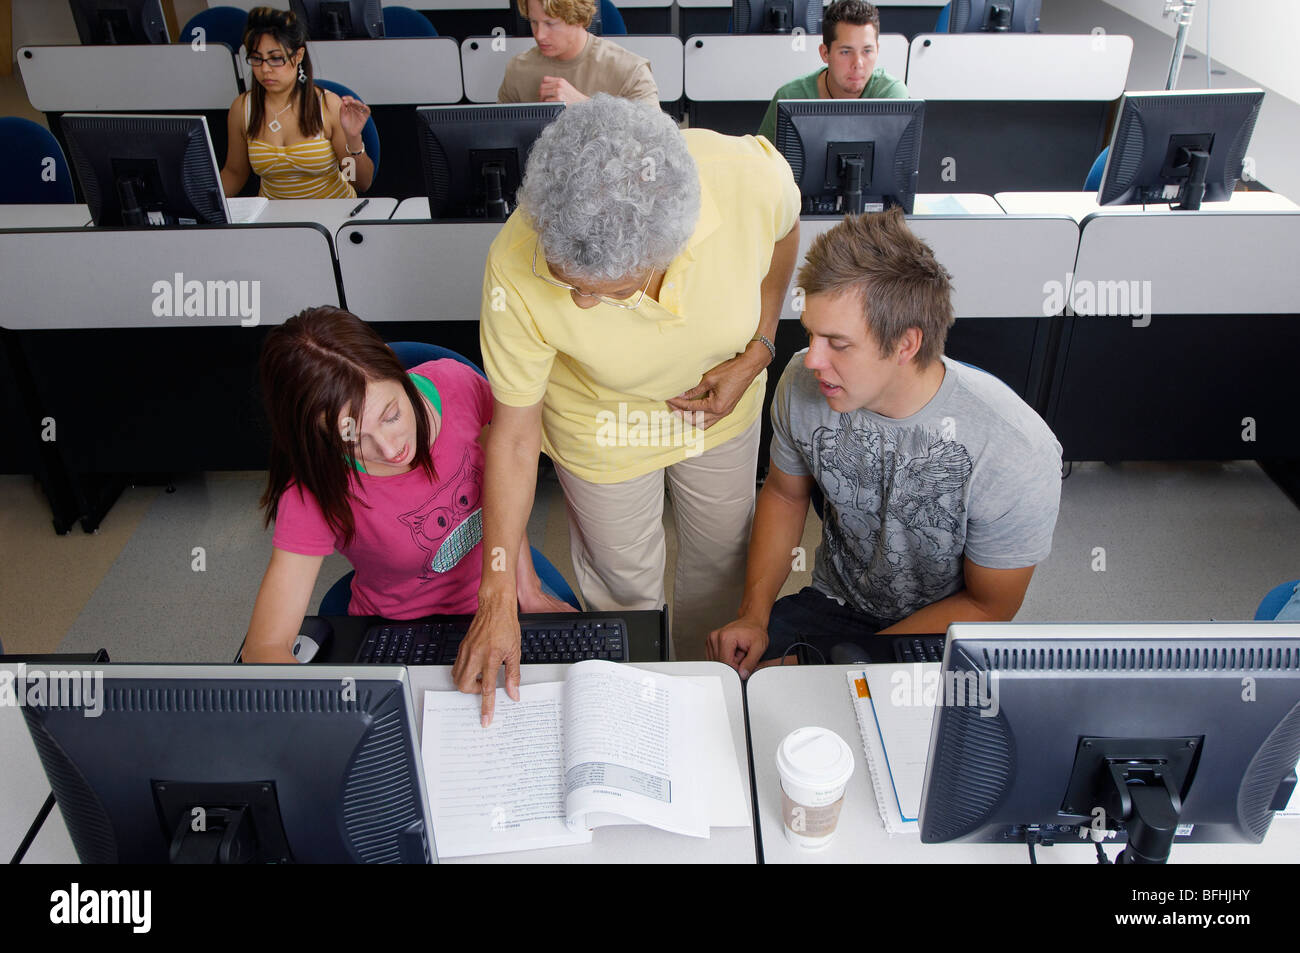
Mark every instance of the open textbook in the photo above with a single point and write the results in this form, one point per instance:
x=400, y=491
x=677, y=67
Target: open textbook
x=611, y=744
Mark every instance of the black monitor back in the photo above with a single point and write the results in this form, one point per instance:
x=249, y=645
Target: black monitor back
x=458, y=142
x=994, y=16
x=105, y=22
x=776, y=16
x=1220, y=702
x=811, y=133
x=168, y=161
x=341, y=19
x=325, y=759
x=1153, y=126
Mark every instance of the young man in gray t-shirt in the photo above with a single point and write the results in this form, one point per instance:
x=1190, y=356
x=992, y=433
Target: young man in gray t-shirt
x=940, y=485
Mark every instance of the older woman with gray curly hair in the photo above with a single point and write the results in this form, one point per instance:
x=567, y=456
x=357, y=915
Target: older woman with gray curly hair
x=629, y=306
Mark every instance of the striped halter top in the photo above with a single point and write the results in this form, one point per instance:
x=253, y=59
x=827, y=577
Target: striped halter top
x=304, y=170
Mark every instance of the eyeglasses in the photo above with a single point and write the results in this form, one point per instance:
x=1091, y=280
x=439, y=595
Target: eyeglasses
x=612, y=302
x=275, y=59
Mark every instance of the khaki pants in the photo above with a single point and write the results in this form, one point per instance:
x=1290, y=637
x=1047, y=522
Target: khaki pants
x=616, y=536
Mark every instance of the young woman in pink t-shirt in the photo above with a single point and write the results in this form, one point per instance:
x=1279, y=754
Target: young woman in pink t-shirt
x=381, y=464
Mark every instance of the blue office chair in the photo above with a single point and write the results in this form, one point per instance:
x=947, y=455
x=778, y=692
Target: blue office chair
x=26, y=149
x=369, y=132
x=405, y=22
x=611, y=21
x=1274, y=600
x=220, y=25
x=1093, y=182
x=412, y=354
x=944, y=16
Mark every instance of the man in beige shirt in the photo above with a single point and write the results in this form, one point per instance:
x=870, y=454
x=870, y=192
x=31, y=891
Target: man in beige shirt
x=570, y=65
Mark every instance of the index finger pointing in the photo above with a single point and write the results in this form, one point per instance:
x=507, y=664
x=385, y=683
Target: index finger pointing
x=489, y=696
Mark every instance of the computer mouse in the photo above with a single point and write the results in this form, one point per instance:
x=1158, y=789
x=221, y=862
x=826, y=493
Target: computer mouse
x=313, y=636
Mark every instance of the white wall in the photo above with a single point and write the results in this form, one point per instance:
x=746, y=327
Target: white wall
x=1259, y=38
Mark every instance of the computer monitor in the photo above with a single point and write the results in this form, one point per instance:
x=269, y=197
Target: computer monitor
x=474, y=156
x=852, y=155
x=233, y=763
x=105, y=22
x=139, y=170
x=994, y=16
x=1179, y=147
x=341, y=19
x=1163, y=733
x=776, y=16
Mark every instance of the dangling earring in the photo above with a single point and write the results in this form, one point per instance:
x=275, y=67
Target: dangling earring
x=302, y=74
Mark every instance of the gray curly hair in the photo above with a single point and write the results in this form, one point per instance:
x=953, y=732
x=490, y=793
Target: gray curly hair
x=611, y=190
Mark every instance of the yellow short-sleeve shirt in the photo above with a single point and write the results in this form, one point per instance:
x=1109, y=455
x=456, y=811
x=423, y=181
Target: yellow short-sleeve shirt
x=603, y=374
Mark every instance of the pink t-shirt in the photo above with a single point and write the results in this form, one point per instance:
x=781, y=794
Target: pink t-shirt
x=408, y=524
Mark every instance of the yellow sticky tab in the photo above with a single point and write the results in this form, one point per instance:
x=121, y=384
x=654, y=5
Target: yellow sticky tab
x=861, y=685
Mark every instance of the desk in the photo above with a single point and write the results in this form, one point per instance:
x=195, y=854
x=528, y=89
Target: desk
x=44, y=216
x=1018, y=66
x=331, y=214
x=781, y=699
x=23, y=787
x=955, y=203
x=411, y=71
x=1080, y=205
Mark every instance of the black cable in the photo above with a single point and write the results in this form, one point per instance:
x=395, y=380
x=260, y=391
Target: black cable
x=1069, y=468
x=34, y=829
x=1101, y=855
x=1032, y=838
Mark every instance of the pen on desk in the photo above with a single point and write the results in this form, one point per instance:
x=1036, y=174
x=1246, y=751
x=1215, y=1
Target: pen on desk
x=364, y=203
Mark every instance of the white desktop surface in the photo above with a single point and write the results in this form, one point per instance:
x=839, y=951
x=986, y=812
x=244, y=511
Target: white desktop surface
x=781, y=699
x=44, y=216
x=1079, y=205
x=632, y=844
x=331, y=213
x=955, y=203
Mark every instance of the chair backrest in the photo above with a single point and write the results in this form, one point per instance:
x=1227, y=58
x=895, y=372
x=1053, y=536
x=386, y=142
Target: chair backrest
x=944, y=16
x=33, y=169
x=611, y=21
x=405, y=22
x=413, y=353
x=219, y=24
x=1093, y=182
x=369, y=132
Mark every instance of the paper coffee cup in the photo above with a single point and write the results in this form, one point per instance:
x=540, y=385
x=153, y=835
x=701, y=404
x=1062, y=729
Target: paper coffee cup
x=815, y=764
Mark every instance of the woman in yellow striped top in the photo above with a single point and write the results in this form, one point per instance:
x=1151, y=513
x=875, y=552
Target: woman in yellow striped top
x=303, y=142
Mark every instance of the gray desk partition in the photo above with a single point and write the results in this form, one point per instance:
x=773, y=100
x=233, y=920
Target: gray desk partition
x=751, y=68
x=83, y=278
x=1181, y=338
x=131, y=78
x=1028, y=66
x=1031, y=250
x=399, y=71
x=413, y=270
x=484, y=59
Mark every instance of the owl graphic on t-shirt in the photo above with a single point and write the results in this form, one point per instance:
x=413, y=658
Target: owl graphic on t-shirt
x=449, y=524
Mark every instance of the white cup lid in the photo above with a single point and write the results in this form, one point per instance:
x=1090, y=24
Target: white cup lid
x=815, y=758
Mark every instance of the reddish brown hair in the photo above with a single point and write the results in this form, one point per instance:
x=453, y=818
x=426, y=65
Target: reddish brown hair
x=314, y=370
x=894, y=275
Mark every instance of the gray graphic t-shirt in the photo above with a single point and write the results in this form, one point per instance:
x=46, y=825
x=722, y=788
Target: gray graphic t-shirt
x=974, y=473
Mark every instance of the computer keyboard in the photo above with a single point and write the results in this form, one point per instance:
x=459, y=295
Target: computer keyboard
x=919, y=648
x=436, y=643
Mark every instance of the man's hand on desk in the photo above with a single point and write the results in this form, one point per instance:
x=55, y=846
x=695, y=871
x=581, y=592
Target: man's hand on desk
x=492, y=641
x=739, y=644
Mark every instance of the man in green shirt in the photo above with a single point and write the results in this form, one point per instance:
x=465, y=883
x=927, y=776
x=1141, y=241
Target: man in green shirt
x=851, y=44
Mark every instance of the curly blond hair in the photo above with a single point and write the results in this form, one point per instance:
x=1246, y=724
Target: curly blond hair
x=572, y=12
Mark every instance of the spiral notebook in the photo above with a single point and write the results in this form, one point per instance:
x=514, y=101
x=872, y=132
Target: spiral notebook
x=894, y=714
